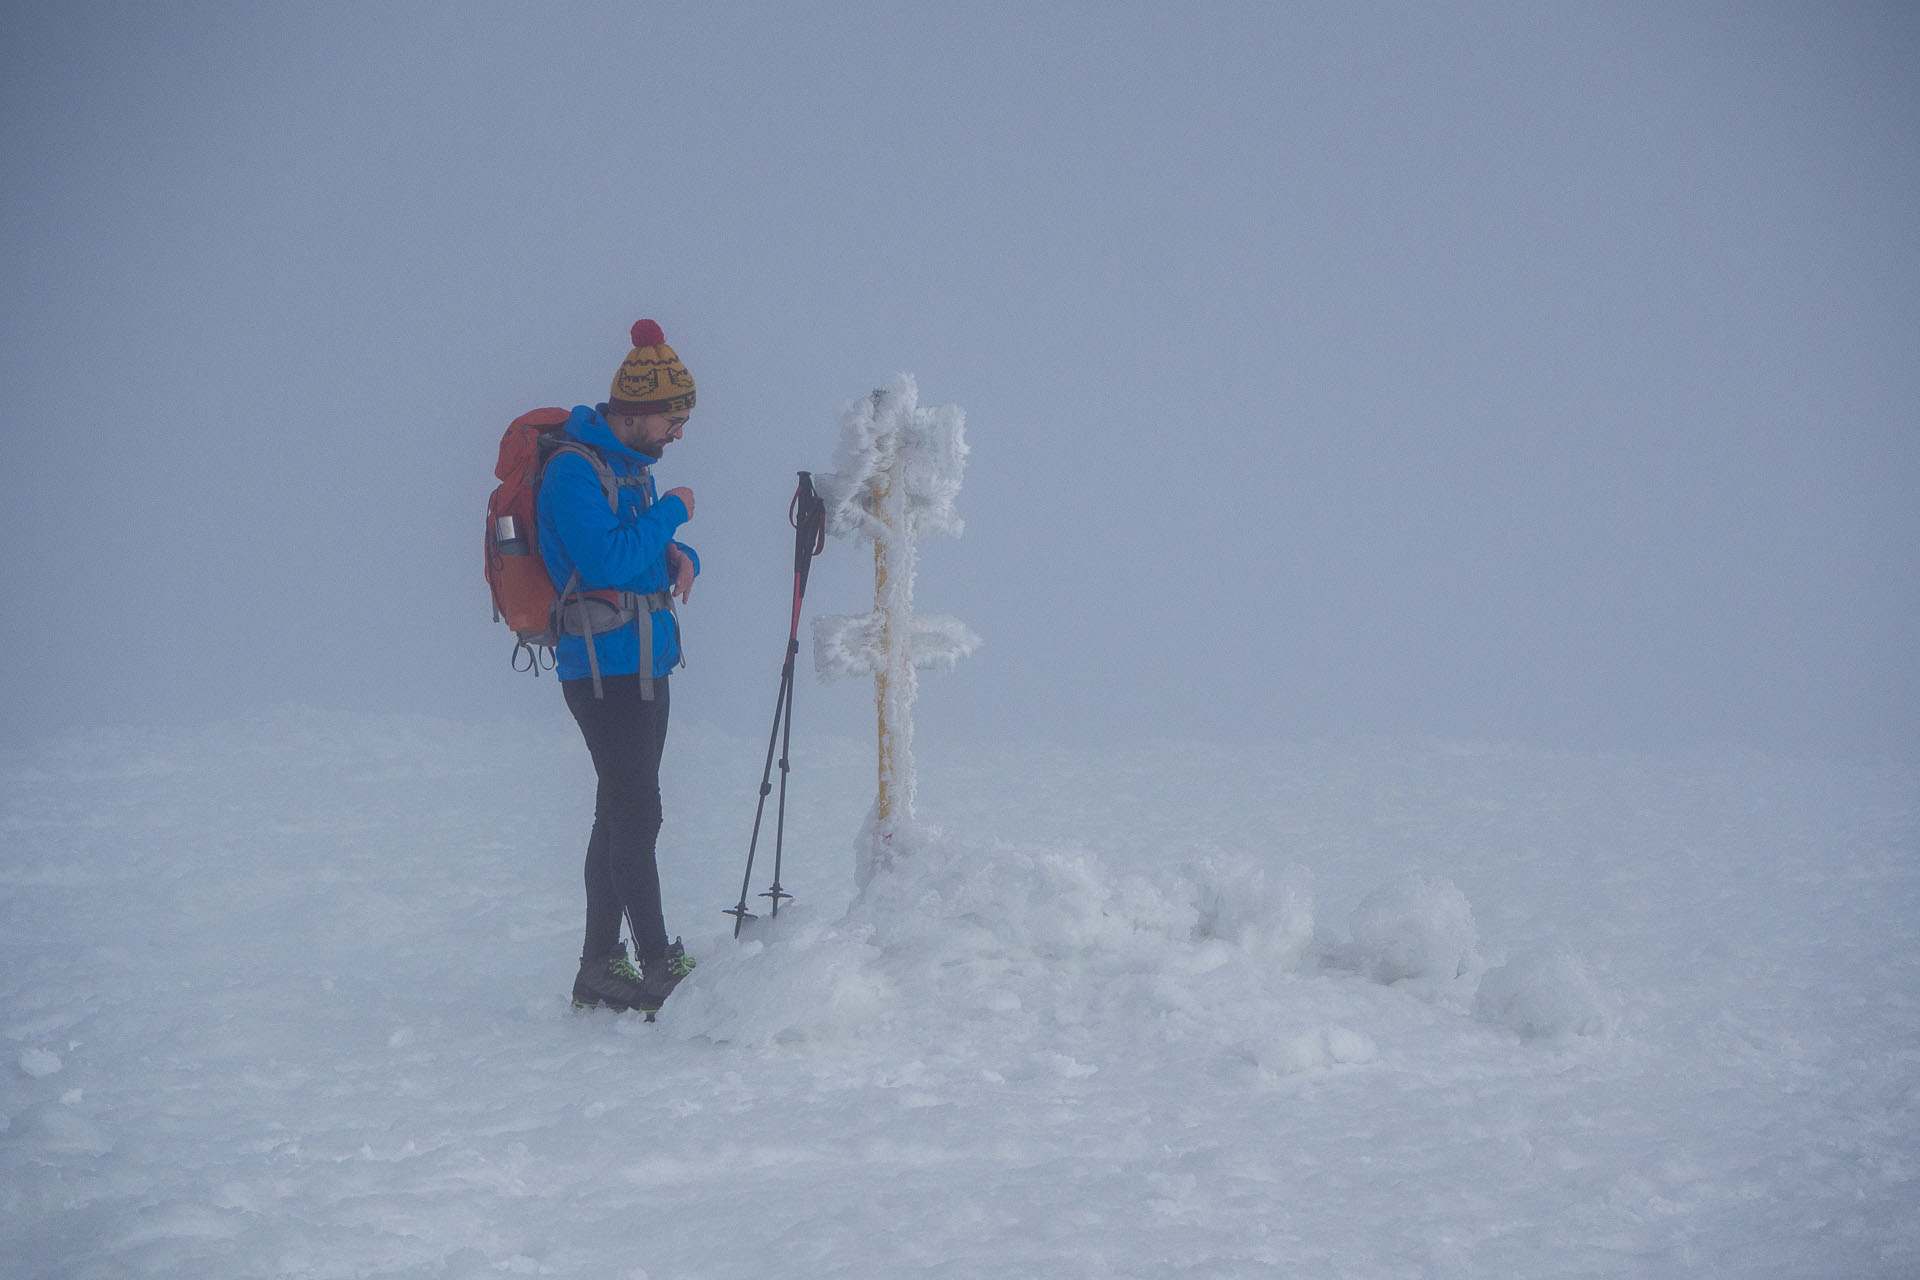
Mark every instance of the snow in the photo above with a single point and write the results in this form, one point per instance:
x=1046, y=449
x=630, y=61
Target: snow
x=924, y=449
x=285, y=996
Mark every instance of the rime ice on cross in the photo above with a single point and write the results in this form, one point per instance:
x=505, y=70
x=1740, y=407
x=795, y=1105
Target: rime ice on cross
x=896, y=474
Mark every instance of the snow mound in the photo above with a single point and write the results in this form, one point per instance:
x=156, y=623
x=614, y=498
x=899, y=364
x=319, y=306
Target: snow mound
x=1414, y=928
x=39, y=1063
x=1546, y=994
x=1315, y=1050
x=1005, y=941
x=1266, y=915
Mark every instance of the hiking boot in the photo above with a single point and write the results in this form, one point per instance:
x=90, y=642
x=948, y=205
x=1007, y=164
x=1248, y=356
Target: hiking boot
x=664, y=973
x=611, y=982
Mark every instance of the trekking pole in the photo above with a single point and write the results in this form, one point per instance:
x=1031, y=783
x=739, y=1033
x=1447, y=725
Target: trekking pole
x=808, y=515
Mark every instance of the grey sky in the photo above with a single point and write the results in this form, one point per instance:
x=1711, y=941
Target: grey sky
x=1534, y=372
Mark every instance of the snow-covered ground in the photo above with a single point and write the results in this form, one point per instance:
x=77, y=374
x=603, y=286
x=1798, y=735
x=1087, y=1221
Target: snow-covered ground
x=286, y=997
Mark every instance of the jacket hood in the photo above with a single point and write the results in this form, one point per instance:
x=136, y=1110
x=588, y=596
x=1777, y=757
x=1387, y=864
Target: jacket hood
x=589, y=426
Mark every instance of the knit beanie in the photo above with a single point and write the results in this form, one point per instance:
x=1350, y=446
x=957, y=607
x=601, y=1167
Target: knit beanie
x=652, y=380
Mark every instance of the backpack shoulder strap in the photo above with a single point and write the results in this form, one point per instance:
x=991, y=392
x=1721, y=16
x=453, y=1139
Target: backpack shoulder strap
x=610, y=484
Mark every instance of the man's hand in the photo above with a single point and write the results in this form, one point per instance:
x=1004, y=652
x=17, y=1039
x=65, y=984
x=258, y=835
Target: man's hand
x=685, y=495
x=680, y=570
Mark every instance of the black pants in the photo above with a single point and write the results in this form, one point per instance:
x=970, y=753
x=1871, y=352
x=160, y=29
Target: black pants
x=625, y=735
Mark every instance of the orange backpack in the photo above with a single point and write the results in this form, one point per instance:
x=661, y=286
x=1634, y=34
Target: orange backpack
x=523, y=594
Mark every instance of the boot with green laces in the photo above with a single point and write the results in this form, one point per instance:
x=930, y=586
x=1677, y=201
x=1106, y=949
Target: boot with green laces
x=611, y=982
x=664, y=973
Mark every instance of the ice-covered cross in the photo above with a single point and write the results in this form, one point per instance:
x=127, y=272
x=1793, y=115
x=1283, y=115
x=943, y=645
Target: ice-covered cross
x=896, y=474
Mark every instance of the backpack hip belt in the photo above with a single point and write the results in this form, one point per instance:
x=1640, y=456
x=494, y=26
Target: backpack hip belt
x=594, y=613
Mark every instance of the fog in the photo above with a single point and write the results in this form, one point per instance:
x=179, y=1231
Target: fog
x=1534, y=373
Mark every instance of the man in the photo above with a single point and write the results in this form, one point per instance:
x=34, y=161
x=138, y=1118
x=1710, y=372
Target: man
x=616, y=653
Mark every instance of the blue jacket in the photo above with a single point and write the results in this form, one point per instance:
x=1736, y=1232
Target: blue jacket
x=625, y=551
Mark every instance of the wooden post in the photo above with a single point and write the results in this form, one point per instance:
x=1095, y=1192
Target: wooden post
x=909, y=460
x=883, y=803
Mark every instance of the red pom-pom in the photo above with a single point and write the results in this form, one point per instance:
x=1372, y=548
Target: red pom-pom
x=646, y=333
